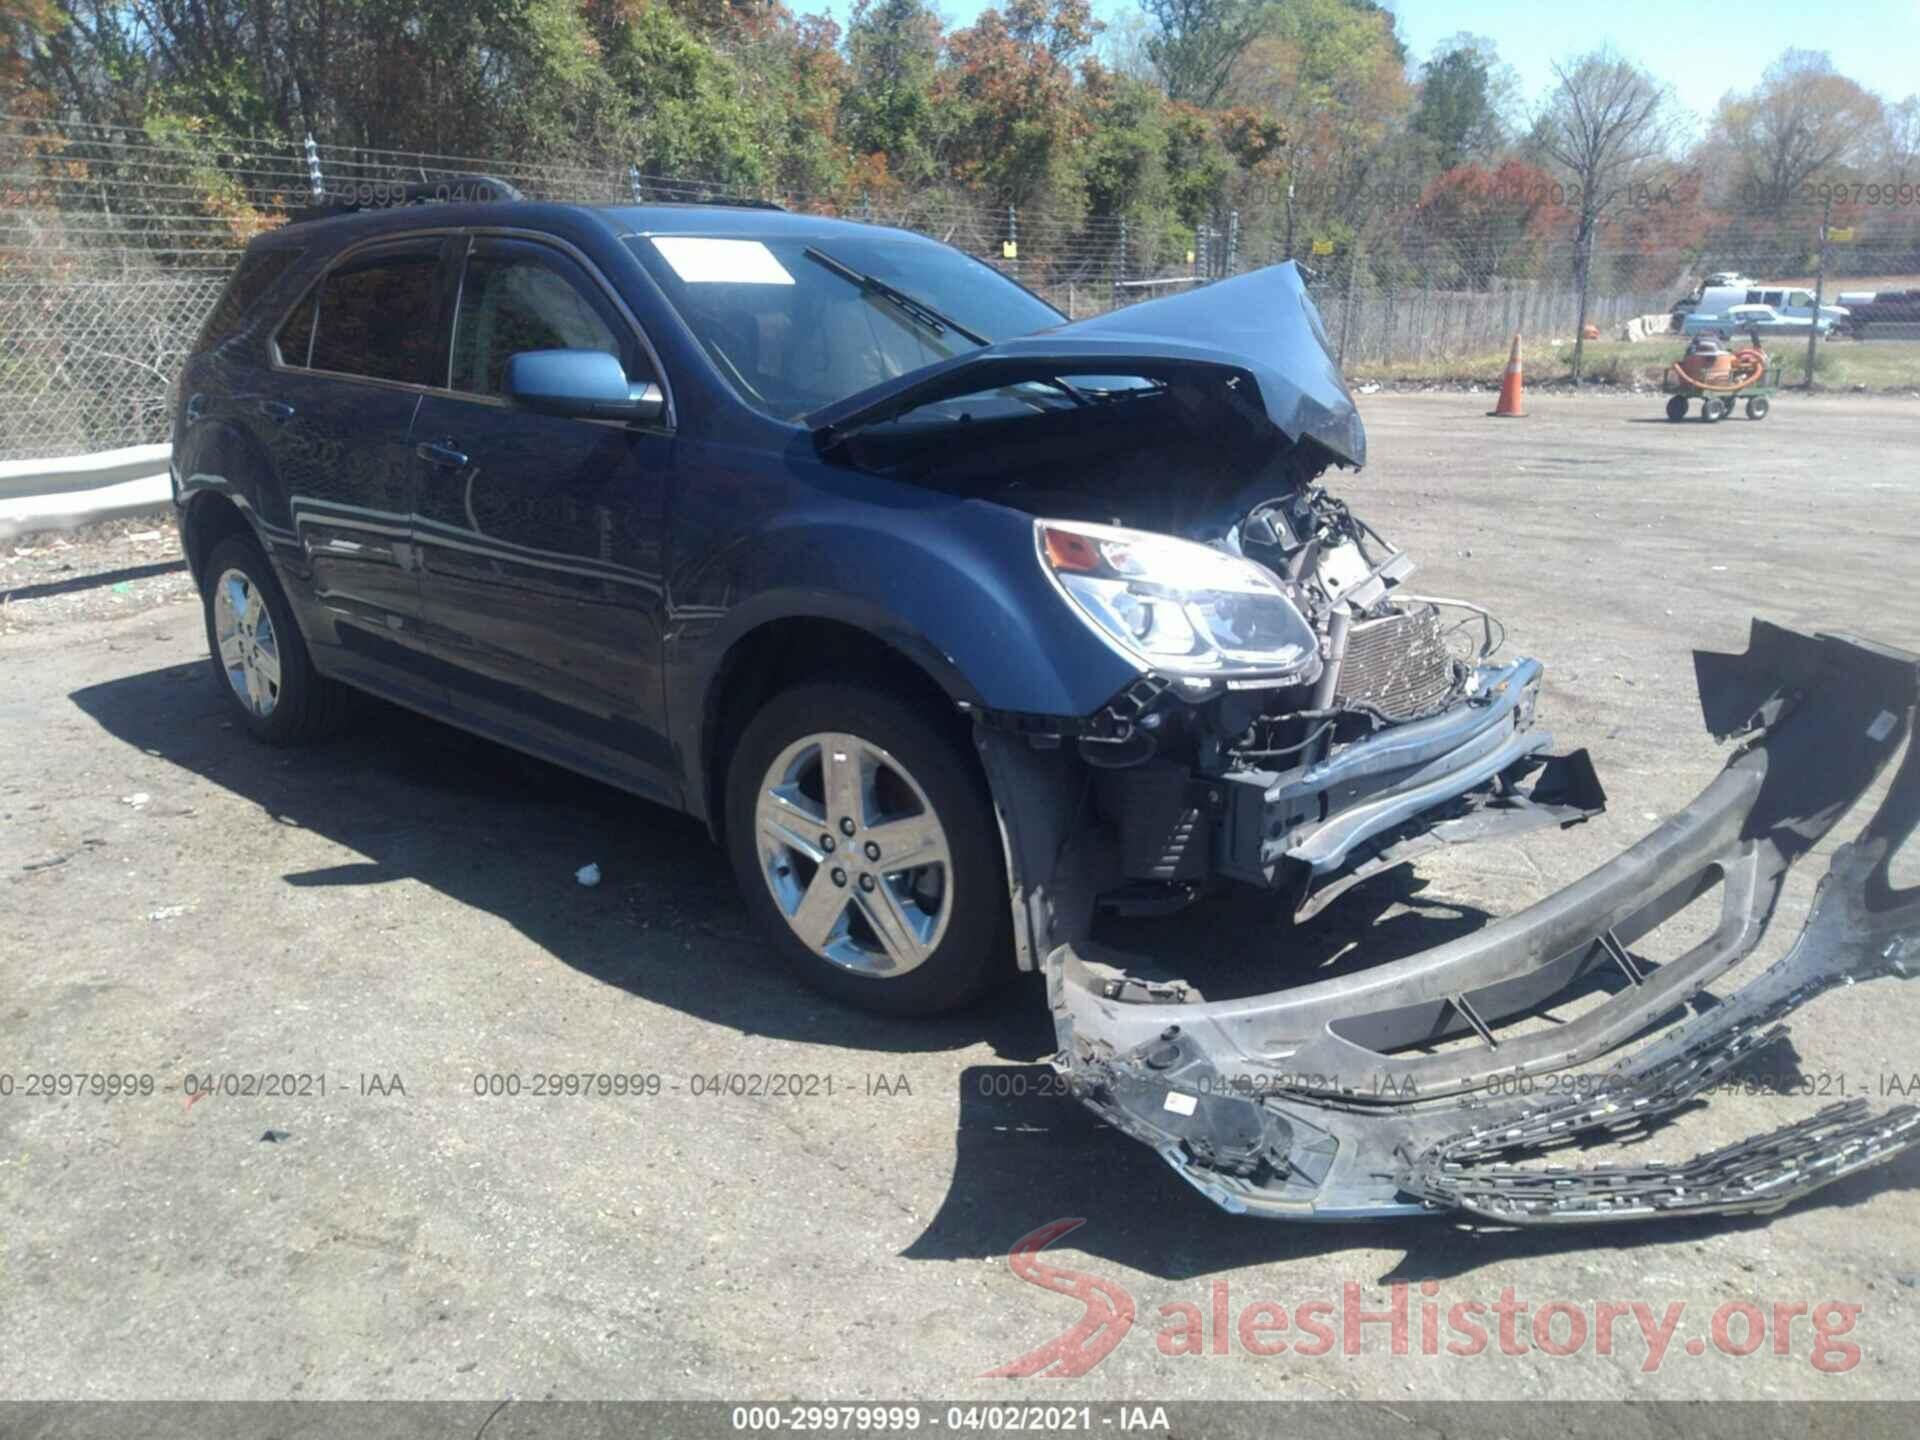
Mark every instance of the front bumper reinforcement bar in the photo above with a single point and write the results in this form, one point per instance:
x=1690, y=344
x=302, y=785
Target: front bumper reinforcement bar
x=1334, y=1098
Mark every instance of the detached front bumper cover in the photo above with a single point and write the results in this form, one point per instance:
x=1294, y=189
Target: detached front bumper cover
x=1307, y=1104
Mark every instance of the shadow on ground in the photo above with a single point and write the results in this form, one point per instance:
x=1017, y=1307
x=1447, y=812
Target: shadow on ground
x=1028, y=1154
x=504, y=833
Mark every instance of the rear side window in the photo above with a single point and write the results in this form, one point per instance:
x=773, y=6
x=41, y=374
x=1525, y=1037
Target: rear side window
x=373, y=316
x=258, y=272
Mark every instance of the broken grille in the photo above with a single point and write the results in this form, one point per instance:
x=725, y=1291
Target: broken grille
x=1399, y=665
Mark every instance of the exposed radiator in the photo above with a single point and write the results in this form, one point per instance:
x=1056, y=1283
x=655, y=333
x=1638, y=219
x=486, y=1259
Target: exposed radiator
x=1399, y=665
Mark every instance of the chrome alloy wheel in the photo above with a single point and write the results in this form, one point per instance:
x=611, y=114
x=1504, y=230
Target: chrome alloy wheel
x=854, y=854
x=249, y=650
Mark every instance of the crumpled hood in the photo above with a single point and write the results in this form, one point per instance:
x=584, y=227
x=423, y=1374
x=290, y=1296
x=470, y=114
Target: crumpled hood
x=1261, y=325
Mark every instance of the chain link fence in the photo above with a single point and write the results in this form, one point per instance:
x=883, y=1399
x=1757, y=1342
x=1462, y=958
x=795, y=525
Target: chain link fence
x=115, y=243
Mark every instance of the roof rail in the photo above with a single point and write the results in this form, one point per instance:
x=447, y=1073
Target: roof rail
x=746, y=202
x=456, y=189
x=738, y=202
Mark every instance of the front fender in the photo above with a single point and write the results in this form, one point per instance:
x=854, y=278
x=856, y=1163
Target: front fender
x=952, y=584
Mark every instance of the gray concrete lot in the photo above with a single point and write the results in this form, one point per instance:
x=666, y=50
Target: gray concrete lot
x=396, y=914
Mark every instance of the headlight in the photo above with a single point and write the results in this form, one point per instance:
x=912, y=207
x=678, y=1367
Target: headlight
x=1179, y=608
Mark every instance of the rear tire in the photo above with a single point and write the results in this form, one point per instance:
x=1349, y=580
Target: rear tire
x=1677, y=408
x=829, y=783
x=1757, y=408
x=259, y=658
x=1711, y=409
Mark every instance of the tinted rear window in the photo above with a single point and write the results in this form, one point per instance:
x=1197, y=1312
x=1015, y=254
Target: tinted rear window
x=374, y=317
x=258, y=272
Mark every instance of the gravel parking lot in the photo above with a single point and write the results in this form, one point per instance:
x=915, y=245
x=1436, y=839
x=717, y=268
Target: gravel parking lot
x=393, y=922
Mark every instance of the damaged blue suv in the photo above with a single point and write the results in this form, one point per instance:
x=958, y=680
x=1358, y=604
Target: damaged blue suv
x=961, y=625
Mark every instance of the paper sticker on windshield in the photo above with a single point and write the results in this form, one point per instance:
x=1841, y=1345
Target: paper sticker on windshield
x=702, y=261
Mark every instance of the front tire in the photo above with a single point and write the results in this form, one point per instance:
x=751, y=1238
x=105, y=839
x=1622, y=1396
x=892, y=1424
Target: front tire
x=260, y=660
x=863, y=840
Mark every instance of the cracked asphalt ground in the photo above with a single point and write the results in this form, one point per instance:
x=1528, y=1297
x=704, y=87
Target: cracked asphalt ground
x=396, y=915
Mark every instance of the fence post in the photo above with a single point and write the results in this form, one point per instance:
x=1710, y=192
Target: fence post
x=1013, y=241
x=1819, y=287
x=633, y=182
x=1233, y=240
x=1392, y=322
x=1119, y=266
x=1346, y=311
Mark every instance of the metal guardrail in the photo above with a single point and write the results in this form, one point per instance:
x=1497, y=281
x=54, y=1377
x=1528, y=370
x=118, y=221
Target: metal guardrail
x=75, y=490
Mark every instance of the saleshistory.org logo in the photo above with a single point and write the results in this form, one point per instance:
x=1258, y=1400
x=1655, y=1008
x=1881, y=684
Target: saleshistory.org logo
x=1461, y=1328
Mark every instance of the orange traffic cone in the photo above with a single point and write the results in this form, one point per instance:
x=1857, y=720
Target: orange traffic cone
x=1511, y=386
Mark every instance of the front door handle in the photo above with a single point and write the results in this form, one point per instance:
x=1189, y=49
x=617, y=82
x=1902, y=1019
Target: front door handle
x=439, y=452
x=277, y=411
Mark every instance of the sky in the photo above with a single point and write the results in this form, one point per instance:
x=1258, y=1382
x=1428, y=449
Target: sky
x=1876, y=42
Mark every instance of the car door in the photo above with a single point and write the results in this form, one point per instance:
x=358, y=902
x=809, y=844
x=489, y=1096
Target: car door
x=351, y=362
x=540, y=536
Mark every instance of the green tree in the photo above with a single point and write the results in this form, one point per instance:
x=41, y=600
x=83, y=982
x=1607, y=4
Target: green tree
x=1125, y=157
x=690, y=107
x=1196, y=43
x=893, y=49
x=1332, y=72
x=1198, y=164
x=1458, y=113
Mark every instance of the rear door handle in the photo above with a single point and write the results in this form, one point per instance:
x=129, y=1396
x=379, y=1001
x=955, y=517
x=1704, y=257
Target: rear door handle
x=439, y=452
x=277, y=411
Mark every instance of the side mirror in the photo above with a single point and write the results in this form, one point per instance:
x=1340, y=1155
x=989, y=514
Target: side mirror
x=581, y=385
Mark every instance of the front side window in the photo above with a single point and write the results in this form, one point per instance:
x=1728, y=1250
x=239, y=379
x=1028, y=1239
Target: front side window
x=792, y=334
x=372, y=317
x=521, y=297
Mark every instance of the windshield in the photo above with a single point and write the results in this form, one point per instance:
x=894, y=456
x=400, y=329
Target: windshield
x=793, y=335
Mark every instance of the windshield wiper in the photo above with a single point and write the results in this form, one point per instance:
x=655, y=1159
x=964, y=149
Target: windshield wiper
x=929, y=317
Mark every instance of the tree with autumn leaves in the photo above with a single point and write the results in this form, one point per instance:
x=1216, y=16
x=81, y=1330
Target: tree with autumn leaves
x=1303, y=125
